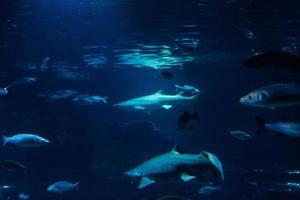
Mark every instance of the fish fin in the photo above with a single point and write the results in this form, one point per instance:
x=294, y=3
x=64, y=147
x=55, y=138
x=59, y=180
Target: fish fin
x=105, y=100
x=260, y=122
x=167, y=107
x=159, y=92
x=77, y=186
x=5, y=140
x=195, y=96
x=215, y=161
x=145, y=182
x=177, y=149
x=139, y=107
x=180, y=93
x=185, y=177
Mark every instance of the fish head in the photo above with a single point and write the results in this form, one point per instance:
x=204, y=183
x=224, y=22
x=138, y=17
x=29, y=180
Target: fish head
x=136, y=172
x=255, y=98
x=41, y=141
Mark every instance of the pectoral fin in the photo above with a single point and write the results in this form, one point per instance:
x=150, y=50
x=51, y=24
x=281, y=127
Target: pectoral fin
x=139, y=107
x=167, y=107
x=145, y=182
x=185, y=177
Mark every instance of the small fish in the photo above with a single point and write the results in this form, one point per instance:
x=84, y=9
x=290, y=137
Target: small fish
x=273, y=96
x=187, y=88
x=89, y=100
x=274, y=60
x=14, y=166
x=209, y=190
x=284, y=127
x=24, y=196
x=45, y=64
x=187, y=121
x=25, y=140
x=3, y=91
x=240, y=135
x=63, y=186
x=60, y=94
x=167, y=75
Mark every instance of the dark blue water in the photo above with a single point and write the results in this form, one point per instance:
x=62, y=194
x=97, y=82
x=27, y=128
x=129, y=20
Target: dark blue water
x=102, y=47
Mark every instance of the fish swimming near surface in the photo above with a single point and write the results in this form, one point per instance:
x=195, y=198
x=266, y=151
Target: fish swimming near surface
x=176, y=165
x=273, y=96
x=274, y=60
x=14, y=166
x=187, y=121
x=187, y=88
x=284, y=127
x=62, y=187
x=240, y=135
x=206, y=190
x=173, y=197
x=25, y=140
x=155, y=101
x=89, y=100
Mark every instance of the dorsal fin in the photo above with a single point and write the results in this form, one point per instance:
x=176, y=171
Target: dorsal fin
x=180, y=93
x=177, y=149
x=159, y=92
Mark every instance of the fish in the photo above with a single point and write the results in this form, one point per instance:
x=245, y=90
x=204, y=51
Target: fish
x=24, y=196
x=273, y=96
x=4, y=91
x=60, y=94
x=173, y=197
x=274, y=60
x=283, y=127
x=25, y=140
x=177, y=165
x=187, y=121
x=62, y=187
x=89, y=100
x=240, y=135
x=206, y=190
x=45, y=64
x=187, y=88
x=156, y=101
x=14, y=166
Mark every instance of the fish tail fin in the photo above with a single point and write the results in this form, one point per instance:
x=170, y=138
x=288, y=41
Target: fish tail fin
x=176, y=87
x=196, y=96
x=261, y=123
x=5, y=140
x=180, y=93
x=105, y=99
x=77, y=186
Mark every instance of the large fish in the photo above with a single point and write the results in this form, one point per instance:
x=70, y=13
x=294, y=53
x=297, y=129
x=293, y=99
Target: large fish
x=25, y=140
x=156, y=100
x=274, y=60
x=284, y=127
x=176, y=165
x=273, y=96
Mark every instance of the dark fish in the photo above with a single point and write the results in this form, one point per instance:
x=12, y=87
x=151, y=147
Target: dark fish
x=14, y=166
x=274, y=60
x=167, y=75
x=273, y=96
x=284, y=127
x=187, y=121
x=171, y=197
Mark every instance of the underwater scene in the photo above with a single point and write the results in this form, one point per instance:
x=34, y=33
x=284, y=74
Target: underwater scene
x=149, y=99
